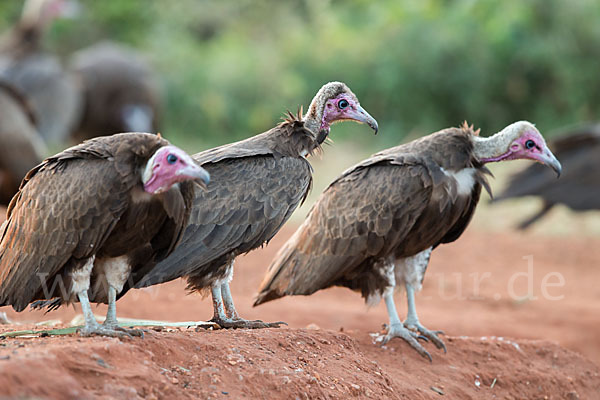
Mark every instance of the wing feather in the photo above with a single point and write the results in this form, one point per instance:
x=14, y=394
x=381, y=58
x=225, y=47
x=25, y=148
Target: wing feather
x=42, y=242
x=362, y=215
x=249, y=201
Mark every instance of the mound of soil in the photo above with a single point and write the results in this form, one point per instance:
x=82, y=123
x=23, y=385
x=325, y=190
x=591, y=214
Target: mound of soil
x=542, y=290
x=289, y=363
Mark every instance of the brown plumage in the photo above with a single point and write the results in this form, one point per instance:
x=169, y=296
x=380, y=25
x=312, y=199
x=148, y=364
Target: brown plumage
x=579, y=185
x=375, y=226
x=39, y=75
x=120, y=91
x=261, y=181
x=371, y=212
x=88, y=207
x=21, y=148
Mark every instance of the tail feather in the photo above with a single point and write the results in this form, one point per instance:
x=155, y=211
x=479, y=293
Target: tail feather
x=277, y=278
x=50, y=305
x=299, y=270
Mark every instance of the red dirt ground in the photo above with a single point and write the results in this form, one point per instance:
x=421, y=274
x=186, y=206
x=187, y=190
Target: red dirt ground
x=549, y=360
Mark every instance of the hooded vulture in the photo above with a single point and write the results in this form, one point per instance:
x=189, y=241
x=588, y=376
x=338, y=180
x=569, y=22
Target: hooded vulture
x=375, y=226
x=261, y=181
x=579, y=186
x=86, y=217
x=39, y=75
x=120, y=91
x=21, y=148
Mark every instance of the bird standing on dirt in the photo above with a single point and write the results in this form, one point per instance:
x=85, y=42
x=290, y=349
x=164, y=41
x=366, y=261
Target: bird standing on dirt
x=120, y=91
x=84, y=218
x=261, y=181
x=376, y=225
x=21, y=147
x=38, y=74
x=579, y=186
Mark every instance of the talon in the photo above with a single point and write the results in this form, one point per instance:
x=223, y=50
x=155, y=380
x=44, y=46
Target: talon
x=428, y=356
x=423, y=338
x=430, y=335
x=400, y=331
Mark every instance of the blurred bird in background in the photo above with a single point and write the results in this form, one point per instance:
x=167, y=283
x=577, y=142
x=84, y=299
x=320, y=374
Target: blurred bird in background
x=21, y=148
x=39, y=74
x=120, y=91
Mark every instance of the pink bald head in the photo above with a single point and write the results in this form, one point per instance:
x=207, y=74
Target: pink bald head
x=171, y=165
x=526, y=142
x=345, y=107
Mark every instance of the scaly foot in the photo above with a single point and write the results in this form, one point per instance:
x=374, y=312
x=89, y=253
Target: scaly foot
x=130, y=332
x=102, y=330
x=240, y=323
x=398, y=330
x=431, y=335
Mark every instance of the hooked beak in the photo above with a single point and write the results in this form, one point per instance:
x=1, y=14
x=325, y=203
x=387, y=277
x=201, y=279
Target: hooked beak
x=361, y=115
x=196, y=173
x=548, y=159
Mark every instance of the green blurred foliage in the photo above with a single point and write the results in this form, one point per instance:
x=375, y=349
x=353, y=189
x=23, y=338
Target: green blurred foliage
x=232, y=67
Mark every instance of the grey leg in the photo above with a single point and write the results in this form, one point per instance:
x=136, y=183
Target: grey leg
x=412, y=320
x=91, y=324
x=228, y=301
x=397, y=329
x=92, y=327
x=219, y=310
x=111, y=322
x=111, y=313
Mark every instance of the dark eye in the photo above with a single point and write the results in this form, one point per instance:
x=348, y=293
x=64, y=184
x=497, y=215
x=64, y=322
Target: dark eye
x=343, y=103
x=529, y=144
x=171, y=158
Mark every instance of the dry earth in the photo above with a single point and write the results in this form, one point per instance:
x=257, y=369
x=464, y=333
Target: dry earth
x=557, y=329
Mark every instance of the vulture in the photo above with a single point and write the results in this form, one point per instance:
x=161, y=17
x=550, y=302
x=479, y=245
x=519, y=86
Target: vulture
x=86, y=217
x=579, y=186
x=39, y=75
x=376, y=225
x=261, y=181
x=21, y=148
x=120, y=91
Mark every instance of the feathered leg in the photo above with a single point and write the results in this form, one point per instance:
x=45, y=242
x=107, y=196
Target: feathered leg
x=225, y=313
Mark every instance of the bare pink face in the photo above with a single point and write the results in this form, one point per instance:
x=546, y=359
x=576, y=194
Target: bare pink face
x=530, y=145
x=345, y=107
x=171, y=165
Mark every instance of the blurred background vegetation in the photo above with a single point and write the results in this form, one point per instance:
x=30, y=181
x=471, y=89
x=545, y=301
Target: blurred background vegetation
x=230, y=68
